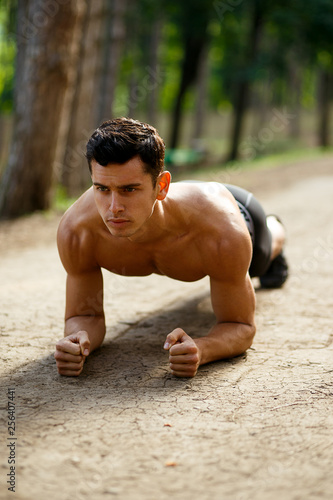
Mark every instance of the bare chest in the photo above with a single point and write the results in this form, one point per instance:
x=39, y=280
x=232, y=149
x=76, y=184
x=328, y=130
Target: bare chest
x=179, y=259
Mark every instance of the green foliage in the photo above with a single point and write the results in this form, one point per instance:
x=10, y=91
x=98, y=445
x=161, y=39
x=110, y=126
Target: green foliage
x=291, y=32
x=171, y=55
x=7, y=59
x=61, y=202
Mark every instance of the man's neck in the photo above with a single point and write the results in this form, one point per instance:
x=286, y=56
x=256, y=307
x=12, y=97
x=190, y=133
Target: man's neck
x=155, y=227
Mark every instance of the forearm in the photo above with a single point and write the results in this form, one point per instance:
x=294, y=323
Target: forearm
x=93, y=325
x=225, y=340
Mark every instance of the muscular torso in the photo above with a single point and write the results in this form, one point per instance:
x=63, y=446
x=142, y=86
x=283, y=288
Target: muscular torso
x=196, y=230
x=200, y=220
x=132, y=259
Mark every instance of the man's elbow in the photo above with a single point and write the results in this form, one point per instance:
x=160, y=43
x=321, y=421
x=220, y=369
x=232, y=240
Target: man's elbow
x=250, y=333
x=246, y=338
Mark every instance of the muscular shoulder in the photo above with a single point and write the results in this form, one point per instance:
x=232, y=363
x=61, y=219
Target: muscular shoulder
x=77, y=235
x=229, y=251
x=222, y=237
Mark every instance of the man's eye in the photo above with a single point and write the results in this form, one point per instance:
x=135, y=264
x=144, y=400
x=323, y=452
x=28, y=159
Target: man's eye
x=102, y=189
x=129, y=190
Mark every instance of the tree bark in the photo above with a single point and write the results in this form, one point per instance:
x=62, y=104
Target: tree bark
x=325, y=85
x=82, y=118
x=201, y=96
x=243, y=90
x=112, y=47
x=134, y=96
x=46, y=62
x=295, y=90
x=192, y=51
x=155, y=41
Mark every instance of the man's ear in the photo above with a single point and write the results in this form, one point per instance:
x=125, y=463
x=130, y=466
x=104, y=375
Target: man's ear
x=163, y=183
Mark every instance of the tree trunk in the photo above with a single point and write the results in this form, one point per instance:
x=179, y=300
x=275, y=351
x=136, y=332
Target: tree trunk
x=112, y=46
x=325, y=83
x=134, y=96
x=6, y=129
x=242, y=99
x=83, y=113
x=192, y=51
x=260, y=105
x=243, y=90
x=201, y=96
x=155, y=40
x=46, y=67
x=295, y=90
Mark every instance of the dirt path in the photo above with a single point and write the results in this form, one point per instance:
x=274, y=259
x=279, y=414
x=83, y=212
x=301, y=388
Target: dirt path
x=257, y=427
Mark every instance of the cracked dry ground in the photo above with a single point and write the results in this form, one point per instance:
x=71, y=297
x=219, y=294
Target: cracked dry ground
x=256, y=427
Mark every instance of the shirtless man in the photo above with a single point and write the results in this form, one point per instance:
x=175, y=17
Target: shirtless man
x=134, y=222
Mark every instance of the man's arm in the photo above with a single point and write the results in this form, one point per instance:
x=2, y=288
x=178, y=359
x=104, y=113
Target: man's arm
x=84, y=315
x=233, y=302
x=233, y=333
x=84, y=322
x=226, y=339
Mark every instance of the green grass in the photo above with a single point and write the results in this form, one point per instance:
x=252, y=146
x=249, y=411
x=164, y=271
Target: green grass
x=270, y=161
x=61, y=202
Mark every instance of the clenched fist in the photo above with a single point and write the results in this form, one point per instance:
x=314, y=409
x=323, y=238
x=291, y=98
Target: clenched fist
x=71, y=352
x=184, y=355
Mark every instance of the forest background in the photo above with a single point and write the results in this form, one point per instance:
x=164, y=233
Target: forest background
x=223, y=82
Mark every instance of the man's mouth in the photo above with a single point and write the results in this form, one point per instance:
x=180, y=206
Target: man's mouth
x=117, y=221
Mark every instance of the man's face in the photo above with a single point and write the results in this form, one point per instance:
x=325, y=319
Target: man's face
x=124, y=196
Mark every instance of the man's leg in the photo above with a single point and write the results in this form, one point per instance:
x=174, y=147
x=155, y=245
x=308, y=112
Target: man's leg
x=278, y=233
x=277, y=272
x=268, y=262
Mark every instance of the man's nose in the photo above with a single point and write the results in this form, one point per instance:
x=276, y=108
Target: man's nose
x=116, y=205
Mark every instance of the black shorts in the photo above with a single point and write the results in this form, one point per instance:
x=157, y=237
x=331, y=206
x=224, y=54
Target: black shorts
x=255, y=219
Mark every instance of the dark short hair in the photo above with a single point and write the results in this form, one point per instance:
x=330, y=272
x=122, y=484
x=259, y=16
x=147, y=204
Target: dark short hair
x=119, y=140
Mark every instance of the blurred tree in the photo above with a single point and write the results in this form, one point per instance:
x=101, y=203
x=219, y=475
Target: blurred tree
x=7, y=58
x=48, y=43
x=7, y=55
x=144, y=23
x=192, y=19
x=246, y=72
x=308, y=32
x=153, y=64
x=318, y=27
x=295, y=73
x=276, y=42
x=201, y=97
x=114, y=30
x=79, y=118
x=102, y=44
x=324, y=105
x=81, y=61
